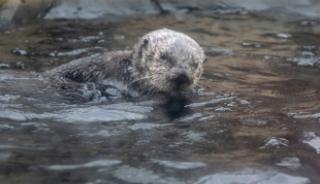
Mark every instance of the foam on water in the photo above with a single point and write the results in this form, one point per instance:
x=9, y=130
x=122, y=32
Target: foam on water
x=19, y=76
x=211, y=102
x=6, y=127
x=93, y=164
x=191, y=117
x=141, y=175
x=75, y=52
x=290, y=163
x=306, y=58
x=12, y=77
x=275, y=142
x=304, y=61
x=251, y=176
x=215, y=51
x=97, y=181
x=192, y=136
x=7, y=97
x=205, y=118
x=146, y=126
x=222, y=109
x=95, y=114
x=180, y=165
x=312, y=140
x=103, y=133
x=15, y=115
x=4, y=66
x=87, y=114
x=305, y=115
x=284, y=35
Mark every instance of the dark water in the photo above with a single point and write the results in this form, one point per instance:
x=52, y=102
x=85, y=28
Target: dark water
x=255, y=120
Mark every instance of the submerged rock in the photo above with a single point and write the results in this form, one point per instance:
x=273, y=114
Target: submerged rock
x=16, y=11
x=84, y=9
x=28, y=11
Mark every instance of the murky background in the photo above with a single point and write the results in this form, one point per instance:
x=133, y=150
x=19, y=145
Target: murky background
x=255, y=120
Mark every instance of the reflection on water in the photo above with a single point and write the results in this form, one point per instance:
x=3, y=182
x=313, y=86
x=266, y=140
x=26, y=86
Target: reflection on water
x=254, y=120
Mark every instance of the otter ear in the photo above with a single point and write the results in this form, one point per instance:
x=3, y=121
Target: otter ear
x=145, y=42
x=143, y=46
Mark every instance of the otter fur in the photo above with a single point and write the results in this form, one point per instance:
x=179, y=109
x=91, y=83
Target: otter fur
x=163, y=61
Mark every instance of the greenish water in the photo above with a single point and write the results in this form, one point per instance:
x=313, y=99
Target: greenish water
x=256, y=118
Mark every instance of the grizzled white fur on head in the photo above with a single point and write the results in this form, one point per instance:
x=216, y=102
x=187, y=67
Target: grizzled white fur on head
x=167, y=60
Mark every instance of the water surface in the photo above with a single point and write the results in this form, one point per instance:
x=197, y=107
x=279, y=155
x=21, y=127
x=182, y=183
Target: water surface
x=255, y=119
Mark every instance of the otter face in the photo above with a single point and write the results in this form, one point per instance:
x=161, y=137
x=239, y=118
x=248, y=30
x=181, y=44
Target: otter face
x=167, y=61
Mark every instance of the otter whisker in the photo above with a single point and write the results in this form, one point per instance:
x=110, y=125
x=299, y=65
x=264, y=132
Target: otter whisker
x=139, y=79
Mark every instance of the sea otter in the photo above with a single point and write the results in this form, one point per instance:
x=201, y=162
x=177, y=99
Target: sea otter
x=162, y=62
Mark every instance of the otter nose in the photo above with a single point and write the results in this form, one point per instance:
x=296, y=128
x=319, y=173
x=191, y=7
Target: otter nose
x=182, y=79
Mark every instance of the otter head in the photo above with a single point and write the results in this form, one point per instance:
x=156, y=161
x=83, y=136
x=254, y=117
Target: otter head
x=167, y=61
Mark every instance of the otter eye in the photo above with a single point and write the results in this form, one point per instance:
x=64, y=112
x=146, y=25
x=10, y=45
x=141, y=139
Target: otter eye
x=164, y=56
x=195, y=64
